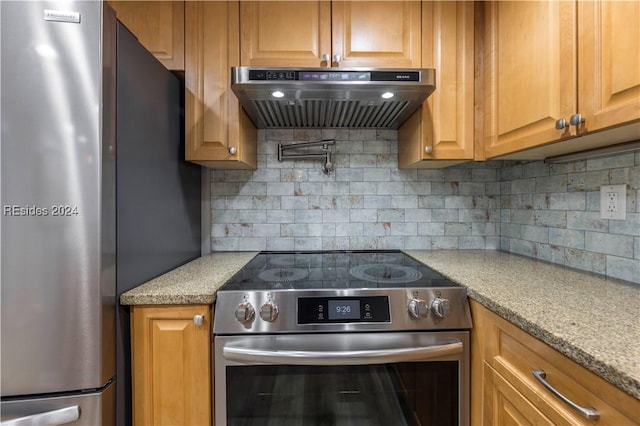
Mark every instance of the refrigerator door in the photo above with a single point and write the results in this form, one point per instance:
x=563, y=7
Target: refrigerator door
x=58, y=199
x=81, y=410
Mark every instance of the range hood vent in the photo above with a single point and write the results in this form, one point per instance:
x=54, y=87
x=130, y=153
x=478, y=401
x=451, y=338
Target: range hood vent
x=331, y=98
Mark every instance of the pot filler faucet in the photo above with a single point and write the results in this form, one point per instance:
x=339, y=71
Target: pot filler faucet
x=327, y=167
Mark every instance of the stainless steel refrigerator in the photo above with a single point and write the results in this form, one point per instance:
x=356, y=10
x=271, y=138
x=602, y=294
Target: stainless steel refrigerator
x=96, y=199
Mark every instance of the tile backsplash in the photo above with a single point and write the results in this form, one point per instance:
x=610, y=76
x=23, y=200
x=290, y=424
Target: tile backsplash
x=547, y=211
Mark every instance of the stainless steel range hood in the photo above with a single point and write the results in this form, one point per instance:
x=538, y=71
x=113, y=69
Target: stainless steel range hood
x=369, y=98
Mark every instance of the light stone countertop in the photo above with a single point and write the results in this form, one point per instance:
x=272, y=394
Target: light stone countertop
x=193, y=283
x=593, y=320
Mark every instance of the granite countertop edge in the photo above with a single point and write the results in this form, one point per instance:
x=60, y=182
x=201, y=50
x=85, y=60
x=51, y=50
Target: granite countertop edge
x=492, y=278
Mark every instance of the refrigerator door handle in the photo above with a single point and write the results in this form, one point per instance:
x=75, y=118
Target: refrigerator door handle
x=60, y=416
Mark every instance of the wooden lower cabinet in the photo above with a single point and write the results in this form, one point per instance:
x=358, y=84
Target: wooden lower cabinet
x=505, y=391
x=171, y=353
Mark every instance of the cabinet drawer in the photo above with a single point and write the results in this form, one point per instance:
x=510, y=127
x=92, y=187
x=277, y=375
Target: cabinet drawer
x=515, y=354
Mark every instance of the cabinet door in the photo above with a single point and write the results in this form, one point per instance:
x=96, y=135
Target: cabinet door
x=609, y=63
x=530, y=73
x=285, y=33
x=441, y=133
x=158, y=25
x=171, y=365
x=218, y=132
x=384, y=34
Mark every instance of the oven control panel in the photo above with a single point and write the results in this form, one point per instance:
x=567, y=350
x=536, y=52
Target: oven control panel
x=322, y=310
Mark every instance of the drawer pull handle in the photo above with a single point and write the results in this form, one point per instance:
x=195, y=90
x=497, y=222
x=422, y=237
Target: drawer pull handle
x=587, y=412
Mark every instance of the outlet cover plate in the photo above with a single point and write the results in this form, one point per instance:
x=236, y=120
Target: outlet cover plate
x=613, y=202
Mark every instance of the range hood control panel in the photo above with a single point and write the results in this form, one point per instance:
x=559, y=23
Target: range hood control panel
x=322, y=75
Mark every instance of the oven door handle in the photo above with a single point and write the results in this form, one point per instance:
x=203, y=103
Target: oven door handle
x=356, y=357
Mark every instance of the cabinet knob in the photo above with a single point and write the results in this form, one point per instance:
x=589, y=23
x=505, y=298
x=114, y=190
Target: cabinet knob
x=561, y=124
x=337, y=58
x=198, y=320
x=233, y=150
x=428, y=150
x=326, y=58
x=576, y=119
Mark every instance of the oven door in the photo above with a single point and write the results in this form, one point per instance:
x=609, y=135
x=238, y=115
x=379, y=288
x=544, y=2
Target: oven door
x=342, y=379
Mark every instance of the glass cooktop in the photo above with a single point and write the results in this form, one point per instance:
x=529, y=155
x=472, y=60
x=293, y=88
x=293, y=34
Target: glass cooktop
x=334, y=269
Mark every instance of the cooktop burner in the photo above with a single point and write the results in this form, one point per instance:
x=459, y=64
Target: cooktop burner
x=335, y=270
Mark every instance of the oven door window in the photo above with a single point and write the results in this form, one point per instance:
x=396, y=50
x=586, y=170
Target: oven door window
x=410, y=393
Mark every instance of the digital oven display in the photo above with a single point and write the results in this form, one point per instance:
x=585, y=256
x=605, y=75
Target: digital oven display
x=322, y=310
x=343, y=309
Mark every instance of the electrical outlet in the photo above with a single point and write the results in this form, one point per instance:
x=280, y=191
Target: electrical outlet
x=613, y=202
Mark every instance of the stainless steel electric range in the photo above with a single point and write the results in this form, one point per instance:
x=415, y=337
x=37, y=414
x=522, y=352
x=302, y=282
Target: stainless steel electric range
x=341, y=337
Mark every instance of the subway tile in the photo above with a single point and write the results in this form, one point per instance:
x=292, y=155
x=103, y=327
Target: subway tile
x=307, y=243
x=623, y=268
x=322, y=229
x=535, y=169
x=289, y=202
x=587, y=221
x=389, y=188
x=294, y=230
x=349, y=229
x=376, y=202
x=434, y=228
x=280, y=216
x=457, y=229
x=471, y=242
x=417, y=188
x=376, y=175
x=363, y=215
x=338, y=215
x=404, y=201
x=444, y=215
x=390, y=215
x=266, y=202
x=362, y=188
x=252, y=244
x=586, y=260
x=629, y=226
x=280, y=244
x=308, y=216
x=431, y=202
x=376, y=229
x=404, y=229
x=567, y=238
x=611, y=162
x=417, y=215
x=617, y=245
x=523, y=186
x=551, y=184
x=556, y=219
x=538, y=234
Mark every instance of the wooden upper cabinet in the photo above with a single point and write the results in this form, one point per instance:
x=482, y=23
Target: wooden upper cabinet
x=609, y=63
x=383, y=34
x=441, y=133
x=546, y=61
x=218, y=132
x=530, y=73
x=285, y=33
x=158, y=25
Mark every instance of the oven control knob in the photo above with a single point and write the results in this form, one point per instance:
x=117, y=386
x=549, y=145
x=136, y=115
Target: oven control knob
x=441, y=307
x=245, y=312
x=418, y=308
x=269, y=311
